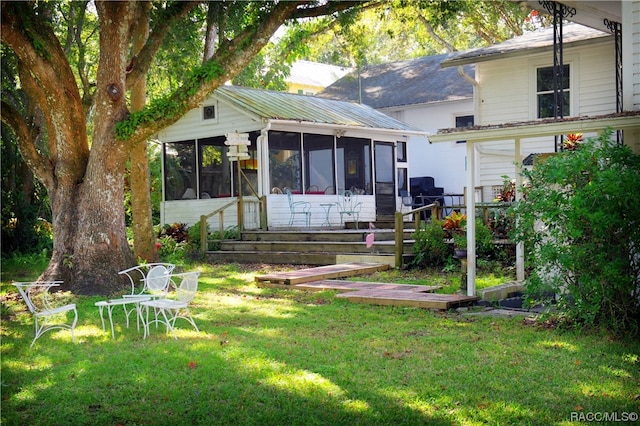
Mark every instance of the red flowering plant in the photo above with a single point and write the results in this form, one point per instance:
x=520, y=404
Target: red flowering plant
x=455, y=225
x=572, y=141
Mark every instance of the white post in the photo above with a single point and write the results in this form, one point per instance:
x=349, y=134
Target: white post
x=471, y=220
x=519, y=246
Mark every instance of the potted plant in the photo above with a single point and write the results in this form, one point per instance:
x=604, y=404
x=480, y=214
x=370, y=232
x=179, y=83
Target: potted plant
x=455, y=225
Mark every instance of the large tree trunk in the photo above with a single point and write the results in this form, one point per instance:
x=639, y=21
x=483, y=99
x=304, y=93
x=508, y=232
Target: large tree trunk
x=90, y=244
x=143, y=236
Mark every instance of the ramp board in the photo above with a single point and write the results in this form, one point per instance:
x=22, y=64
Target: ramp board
x=343, y=286
x=307, y=275
x=408, y=298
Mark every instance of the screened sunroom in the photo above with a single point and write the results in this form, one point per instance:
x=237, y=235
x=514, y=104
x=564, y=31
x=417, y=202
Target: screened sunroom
x=296, y=149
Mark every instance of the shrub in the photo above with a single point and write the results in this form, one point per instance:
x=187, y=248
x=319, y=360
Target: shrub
x=430, y=248
x=580, y=224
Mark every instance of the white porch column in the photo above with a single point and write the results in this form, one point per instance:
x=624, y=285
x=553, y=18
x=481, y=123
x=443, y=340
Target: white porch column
x=519, y=246
x=471, y=219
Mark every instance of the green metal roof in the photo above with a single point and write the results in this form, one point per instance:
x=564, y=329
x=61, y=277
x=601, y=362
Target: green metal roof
x=271, y=105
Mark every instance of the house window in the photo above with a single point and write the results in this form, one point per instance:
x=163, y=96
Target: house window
x=402, y=181
x=401, y=152
x=464, y=121
x=180, y=180
x=209, y=112
x=544, y=92
x=319, y=164
x=215, y=168
x=285, y=161
x=353, y=158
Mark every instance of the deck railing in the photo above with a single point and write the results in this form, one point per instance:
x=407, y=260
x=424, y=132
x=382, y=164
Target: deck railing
x=437, y=211
x=239, y=202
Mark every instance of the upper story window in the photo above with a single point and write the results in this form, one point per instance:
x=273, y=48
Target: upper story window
x=401, y=151
x=544, y=92
x=209, y=112
x=464, y=121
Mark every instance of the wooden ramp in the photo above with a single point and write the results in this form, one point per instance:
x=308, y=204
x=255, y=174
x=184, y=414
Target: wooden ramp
x=409, y=298
x=344, y=286
x=307, y=275
x=323, y=278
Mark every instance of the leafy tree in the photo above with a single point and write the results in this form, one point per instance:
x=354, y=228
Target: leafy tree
x=400, y=29
x=88, y=128
x=580, y=225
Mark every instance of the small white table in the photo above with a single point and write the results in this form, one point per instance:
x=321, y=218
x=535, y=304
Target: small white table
x=109, y=304
x=327, y=212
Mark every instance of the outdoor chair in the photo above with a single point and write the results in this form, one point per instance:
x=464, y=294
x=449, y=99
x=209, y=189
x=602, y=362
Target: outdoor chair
x=349, y=205
x=299, y=208
x=409, y=201
x=36, y=296
x=174, y=306
x=147, y=281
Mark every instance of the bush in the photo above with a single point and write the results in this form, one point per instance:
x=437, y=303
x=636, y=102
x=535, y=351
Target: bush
x=430, y=248
x=580, y=224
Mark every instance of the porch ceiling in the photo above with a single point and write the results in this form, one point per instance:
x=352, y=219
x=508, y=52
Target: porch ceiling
x=536, y=128
x=589, y=13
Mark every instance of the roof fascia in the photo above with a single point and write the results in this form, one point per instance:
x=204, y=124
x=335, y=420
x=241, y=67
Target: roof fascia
x=530, y=130
x=332, y=128
x=520, y=53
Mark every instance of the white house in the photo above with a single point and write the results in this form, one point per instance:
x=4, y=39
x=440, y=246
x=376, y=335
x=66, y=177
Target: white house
x=315, y=148
x=421, y=93
x=519, y=109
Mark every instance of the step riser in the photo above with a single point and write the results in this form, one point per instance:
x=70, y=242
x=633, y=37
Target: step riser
x=312, y=247
x=321, y=236
x=289, y=258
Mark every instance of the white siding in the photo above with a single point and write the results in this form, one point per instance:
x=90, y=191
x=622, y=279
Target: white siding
x=508, y=94
x=636, y=53
x=445, y=162
x=279, y=212
x=192, y=126
x=189, y=212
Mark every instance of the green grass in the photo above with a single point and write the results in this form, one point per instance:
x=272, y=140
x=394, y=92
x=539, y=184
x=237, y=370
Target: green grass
x=276, y=357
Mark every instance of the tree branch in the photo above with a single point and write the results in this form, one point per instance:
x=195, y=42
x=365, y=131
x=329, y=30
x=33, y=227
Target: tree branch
x=164, y=23
x=26, y=144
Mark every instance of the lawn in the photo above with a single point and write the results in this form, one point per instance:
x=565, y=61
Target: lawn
x=285, y=357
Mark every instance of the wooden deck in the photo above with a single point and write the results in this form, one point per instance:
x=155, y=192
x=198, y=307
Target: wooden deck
x=318, y=279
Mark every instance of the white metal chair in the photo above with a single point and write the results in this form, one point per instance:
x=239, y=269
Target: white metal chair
x=36, y=296
x=138, y=275
x=154, y=279
x=349, y=205
x=298, y=208
x=169, y=309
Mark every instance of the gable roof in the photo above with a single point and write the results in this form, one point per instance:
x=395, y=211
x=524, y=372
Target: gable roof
x=526, y=44
x=283, y=106
x=410, y=82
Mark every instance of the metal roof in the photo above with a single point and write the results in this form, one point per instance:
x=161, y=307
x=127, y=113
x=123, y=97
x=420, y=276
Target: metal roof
x=541, y=40
x=274, y=106
x=409, y=82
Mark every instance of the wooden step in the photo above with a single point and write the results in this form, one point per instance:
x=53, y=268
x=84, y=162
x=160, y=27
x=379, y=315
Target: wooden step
x=407, y=298
x=336, y=247
x=344, y=286
x=321, y=273
x=296, y=258
x=323, y=235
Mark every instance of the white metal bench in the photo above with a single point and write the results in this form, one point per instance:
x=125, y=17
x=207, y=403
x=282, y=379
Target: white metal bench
x=36, y=296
